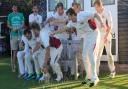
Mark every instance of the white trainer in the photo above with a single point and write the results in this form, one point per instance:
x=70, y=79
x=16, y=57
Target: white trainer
x=59, y=78
x=112, y=75
x=45, y=77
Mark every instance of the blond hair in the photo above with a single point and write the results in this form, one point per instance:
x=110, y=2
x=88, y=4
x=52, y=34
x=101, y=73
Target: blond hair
x=98, y=2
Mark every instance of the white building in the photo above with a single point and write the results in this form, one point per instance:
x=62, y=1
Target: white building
x=111, y=5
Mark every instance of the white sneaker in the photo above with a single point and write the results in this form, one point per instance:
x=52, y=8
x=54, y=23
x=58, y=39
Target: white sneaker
x=112, y=75
x=45, y=77
x=59, y=78
x=78, y=75
x=96, y=81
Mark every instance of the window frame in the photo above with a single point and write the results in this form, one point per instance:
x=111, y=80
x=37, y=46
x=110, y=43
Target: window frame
x=49, y=5
x=104, y=3
x=82, y=7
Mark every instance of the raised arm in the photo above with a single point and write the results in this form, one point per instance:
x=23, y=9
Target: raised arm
x=57, y=21
x=64, y=29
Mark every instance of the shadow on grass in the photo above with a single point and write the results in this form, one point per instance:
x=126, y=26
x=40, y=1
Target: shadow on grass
x=113, y=85
x=9, y=80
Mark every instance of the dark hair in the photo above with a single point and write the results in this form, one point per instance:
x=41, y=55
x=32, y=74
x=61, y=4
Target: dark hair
x=71, y=12
x=60, y=4
x=27, y=32
x=14, y=4
x=35, y=5
x=98, y=2
x=74, y=3
x=35, y=26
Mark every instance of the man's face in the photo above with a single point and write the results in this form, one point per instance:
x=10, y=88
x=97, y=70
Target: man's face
x=14, y=8
x=98, y=8
x=78, y=9
x=35, y=9
x=36, y=32
x=72, y=18
x=29, y=36
x=75, y=7
x=60, y=10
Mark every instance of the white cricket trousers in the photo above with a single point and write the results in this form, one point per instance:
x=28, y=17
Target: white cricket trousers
x=21, y=62
x=108, y=50
x=38, y=58
x=89, y=54
x=28, y=62
x=55, y=54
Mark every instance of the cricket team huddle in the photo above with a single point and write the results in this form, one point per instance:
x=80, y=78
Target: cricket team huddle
x=41, y=47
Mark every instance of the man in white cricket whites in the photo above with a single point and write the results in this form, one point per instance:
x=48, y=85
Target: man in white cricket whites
x=91, y=42
x=24, y=49
x=106, y=38
x=53, y=49
x=60, y=20
x=37, y=56
x=28, y=58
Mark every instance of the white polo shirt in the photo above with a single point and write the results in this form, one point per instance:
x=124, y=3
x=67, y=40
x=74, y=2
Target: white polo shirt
x=35, y=18
x=63, y=16
x=62, y=36
x=106, y=18
x=32, y=43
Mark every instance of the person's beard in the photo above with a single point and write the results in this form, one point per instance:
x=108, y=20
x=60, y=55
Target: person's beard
x=36, y=34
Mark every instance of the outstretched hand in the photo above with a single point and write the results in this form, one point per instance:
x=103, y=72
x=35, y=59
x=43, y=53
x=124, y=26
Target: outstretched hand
x=51, y=33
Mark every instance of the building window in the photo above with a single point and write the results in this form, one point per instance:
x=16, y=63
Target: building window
x=105, y=2
x=81, y=2
x=53, y=3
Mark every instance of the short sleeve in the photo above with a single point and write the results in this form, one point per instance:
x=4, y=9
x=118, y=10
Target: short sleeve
x=22, y=17
x=109, y=18
x=69, y=24
x=44, y=38
x=30, y=18
x=24, y=39
x=9, y=19
x=40, y=19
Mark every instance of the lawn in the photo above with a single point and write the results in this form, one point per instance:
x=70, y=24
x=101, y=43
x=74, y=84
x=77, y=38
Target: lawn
x=9, y=80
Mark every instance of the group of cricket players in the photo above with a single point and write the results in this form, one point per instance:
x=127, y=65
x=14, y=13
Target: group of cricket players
x=42, y=46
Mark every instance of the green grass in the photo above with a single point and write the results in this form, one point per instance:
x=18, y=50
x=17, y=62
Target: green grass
x=9, y=80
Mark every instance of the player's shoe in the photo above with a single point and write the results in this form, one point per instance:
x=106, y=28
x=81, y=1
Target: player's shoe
x=45, y=77
x=59, y=77
x=30, y=77
x=94, y=83
x=21, y=75
x=112, y=75
x=85, y=81
x=38, y=76
x=25, y=75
